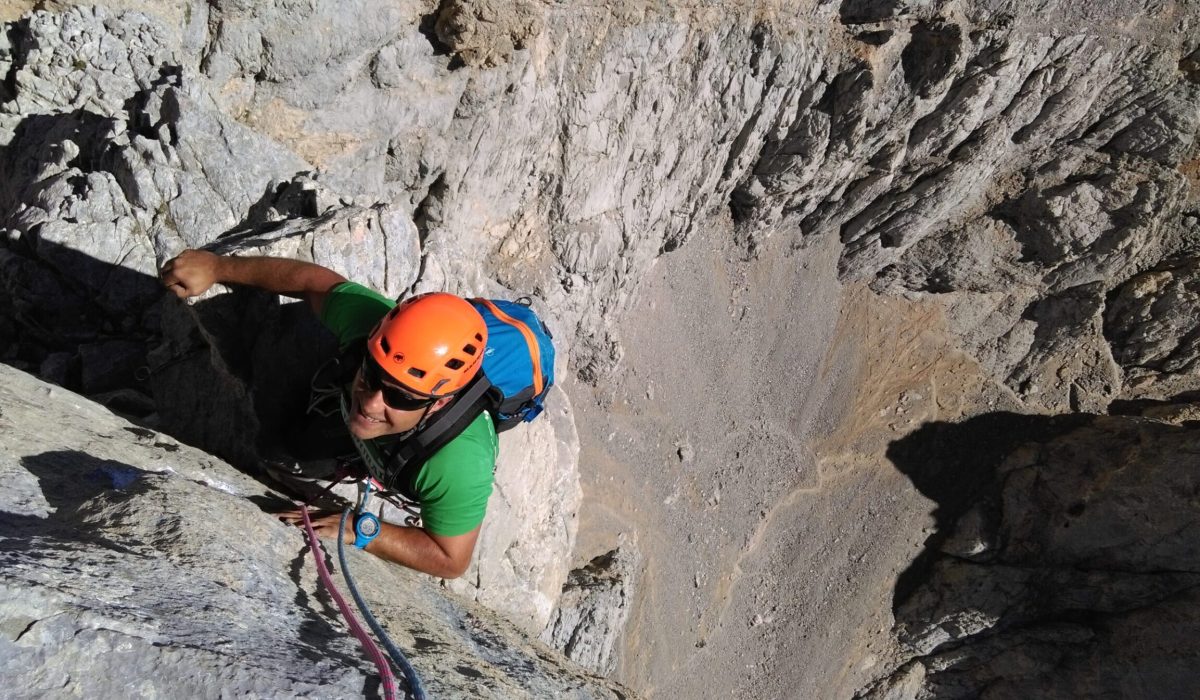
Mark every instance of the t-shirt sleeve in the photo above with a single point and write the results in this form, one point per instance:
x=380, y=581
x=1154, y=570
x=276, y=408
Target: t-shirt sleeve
x=352, y=310
x=456, y=482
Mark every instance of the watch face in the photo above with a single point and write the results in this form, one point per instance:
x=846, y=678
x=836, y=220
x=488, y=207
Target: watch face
x=367, y=526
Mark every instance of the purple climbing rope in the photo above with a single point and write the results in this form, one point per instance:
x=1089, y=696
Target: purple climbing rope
x=385, y=670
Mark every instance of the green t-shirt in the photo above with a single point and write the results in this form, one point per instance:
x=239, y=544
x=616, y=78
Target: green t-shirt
x=454, y=484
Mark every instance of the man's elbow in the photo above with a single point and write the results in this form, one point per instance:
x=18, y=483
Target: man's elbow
x=455, y=569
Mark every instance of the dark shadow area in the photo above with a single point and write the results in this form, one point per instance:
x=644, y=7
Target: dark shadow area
x=226, y=374
x=1063, y=545
x=44, y=146
x=954, y=465
x=68, y=479
x=66, y=316
x=930, y=55
x=16, y=33
x=867, y=11
x=139, y=108
x=316, y=630
x=1137, y=407
x=428, y=28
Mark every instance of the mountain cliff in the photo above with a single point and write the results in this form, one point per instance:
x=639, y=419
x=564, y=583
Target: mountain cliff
x=869, y=229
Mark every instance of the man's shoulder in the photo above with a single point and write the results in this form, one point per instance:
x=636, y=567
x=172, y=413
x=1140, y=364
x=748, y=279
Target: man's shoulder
x=476, y=446
x=454, y=484
x=350, y=310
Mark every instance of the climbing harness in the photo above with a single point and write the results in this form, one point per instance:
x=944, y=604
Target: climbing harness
x=366, y=528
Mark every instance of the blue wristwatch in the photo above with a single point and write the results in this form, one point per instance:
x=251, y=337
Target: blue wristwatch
x=366, y=527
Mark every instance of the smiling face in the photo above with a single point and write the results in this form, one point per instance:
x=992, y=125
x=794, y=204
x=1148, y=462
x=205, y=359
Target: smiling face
x=371, y=417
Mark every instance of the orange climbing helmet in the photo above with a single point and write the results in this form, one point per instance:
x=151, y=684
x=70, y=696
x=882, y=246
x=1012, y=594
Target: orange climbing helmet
x=432, y=343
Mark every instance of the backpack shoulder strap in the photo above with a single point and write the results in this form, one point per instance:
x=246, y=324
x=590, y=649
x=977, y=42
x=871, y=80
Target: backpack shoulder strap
x=408, y=456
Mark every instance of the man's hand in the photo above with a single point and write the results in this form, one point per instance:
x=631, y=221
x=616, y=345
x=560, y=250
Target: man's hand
x=191, y=273
x=324, y=524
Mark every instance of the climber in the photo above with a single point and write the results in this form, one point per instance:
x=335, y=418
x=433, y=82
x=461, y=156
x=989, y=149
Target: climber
x=393, y=393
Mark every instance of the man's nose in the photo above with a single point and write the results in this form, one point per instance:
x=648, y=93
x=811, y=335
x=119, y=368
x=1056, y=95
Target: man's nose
x=372, y=401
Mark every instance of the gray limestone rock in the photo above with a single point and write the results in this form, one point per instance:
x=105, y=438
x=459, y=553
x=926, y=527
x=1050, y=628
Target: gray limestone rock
x=1153, y=326
x=1049, y=162
x=595, y=603
x=136, y=565
x=905, y=684
x=973, y=157
x=1030, y=166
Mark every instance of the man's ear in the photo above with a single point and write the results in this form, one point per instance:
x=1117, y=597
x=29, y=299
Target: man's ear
x=437, y=406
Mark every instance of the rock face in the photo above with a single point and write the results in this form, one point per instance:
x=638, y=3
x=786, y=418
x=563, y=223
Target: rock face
x=1032, y=166
x=134, y=565
x=1067, y=567
x=140, y=163
x=1150, y=323
x=954, y=148
x=520, y=566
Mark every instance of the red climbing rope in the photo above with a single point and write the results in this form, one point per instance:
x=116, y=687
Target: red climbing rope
x=385, y=670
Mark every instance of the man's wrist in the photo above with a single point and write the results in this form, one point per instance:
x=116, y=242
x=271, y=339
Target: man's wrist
x=222, y=269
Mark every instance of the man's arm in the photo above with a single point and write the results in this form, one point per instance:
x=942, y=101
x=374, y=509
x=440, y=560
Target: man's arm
x=436, y=555
x=445, y=557
x=192, y=272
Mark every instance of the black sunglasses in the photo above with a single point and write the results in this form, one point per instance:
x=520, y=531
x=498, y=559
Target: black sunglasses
x=372, y=376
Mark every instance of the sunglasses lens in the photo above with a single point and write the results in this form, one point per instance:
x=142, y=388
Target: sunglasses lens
x=369, y=372
x=402, y=400
x=395, y=397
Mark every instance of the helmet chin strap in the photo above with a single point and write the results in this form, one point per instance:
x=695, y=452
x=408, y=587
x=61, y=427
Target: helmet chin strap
x=425, y=413
x=424, y=417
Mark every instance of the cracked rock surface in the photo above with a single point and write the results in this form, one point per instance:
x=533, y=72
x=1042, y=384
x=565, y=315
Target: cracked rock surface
x=594, y=608
x=134, y=565
x=1072, y=572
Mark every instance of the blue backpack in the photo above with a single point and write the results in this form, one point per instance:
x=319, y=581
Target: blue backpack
x=518, y=361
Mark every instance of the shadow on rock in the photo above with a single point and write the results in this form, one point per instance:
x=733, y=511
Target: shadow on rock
x=228, y=374
x=955, y=465
x=81, y=305
x=68, y=479
x=1060, y=541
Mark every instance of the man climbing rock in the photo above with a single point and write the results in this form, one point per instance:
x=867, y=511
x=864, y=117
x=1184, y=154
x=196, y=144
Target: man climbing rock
x=416, y=357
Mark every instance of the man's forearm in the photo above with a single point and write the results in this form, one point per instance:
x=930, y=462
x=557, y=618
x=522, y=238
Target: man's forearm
x=294, y=278
x=414, y=548
x=193, y=272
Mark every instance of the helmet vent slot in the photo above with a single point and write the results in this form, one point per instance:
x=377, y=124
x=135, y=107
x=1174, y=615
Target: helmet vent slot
x=385, y=345
x=455, y=363
x=418, y=373
x=469, y=349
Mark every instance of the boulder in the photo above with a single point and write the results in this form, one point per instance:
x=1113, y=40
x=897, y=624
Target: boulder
x=590, y=620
